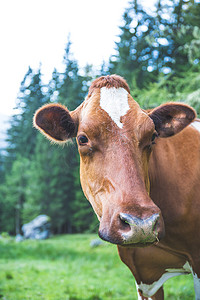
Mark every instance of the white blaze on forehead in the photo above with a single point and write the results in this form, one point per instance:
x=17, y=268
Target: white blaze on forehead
x=115, y=102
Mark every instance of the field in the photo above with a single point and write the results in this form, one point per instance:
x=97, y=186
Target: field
x=67, y=268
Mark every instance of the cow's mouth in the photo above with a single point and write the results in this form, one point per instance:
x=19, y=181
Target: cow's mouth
x=140, y=245
x=110, y=239
x=118, y=240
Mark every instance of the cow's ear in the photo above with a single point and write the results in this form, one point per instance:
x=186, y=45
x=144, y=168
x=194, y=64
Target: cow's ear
x=171, y=118
x=55, y=122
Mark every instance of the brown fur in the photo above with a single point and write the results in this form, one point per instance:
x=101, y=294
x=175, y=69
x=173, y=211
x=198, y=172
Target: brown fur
x=123, y=172
x=109, y=82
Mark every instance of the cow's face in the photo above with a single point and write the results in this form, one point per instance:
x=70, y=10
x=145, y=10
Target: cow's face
x=115, y=139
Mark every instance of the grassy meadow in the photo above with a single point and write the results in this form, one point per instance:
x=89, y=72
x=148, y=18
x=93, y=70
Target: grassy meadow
x=67, y=268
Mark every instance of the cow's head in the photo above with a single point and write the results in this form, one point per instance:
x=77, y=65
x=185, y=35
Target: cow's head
x=115, y=138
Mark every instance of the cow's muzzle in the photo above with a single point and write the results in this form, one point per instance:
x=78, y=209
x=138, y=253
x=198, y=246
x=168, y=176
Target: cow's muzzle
x=131, y=231
x=141, y=232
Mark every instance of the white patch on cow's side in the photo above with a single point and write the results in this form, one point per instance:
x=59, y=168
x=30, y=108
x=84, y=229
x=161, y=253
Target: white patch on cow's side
x=149, y=290
x=115, y=102
x=196, y=283
x=196, y=286
x=187, y=267
x=139, y=297
x=196, y=125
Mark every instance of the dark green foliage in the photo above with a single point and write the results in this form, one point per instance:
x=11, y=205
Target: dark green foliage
x=133, y=52
x=21, y=136
x=54, y=187
x=154, y=44
x=139, y=54
x=42, y=178
x=51, y=187
x=13, y=195
x=158, y=52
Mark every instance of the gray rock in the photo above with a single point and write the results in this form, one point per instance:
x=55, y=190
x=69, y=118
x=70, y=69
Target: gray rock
x=19, y=238
x=96, y=243
x=38, y=228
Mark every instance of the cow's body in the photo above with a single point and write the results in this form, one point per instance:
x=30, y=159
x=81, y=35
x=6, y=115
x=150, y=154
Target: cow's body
x=174, y=171
x=143, y=194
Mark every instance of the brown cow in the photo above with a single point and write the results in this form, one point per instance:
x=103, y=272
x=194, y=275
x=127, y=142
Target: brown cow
x=141, y=173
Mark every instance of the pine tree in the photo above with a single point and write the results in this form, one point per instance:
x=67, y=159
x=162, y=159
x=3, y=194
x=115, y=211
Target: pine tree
x=13, y=195
x=50, y=189
x=21, y=136
x=54, y=86
x=72, y=93
x=21, y=147
x=54, y=187
x=134, y=54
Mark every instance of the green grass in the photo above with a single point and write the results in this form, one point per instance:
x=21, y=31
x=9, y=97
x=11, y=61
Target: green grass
x=67, y=268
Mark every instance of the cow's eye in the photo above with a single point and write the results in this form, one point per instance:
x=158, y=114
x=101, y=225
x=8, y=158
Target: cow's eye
x=154, y=136
x=82, y=140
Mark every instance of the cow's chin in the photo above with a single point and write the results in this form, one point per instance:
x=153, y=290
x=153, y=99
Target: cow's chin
x=120, y=242
x=139, y=245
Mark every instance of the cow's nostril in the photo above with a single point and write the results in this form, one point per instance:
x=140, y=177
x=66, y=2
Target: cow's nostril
x=124, y=221
x=127, y=222
x=128, y=219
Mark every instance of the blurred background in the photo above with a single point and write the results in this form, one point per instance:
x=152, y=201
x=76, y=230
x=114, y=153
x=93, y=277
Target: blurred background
x=51, y=51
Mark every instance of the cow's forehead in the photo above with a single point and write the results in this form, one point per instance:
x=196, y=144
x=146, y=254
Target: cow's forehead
x=115, y=102
x=111, y=105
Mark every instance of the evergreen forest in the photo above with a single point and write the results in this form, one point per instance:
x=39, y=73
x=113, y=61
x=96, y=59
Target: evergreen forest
x=157, y=52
